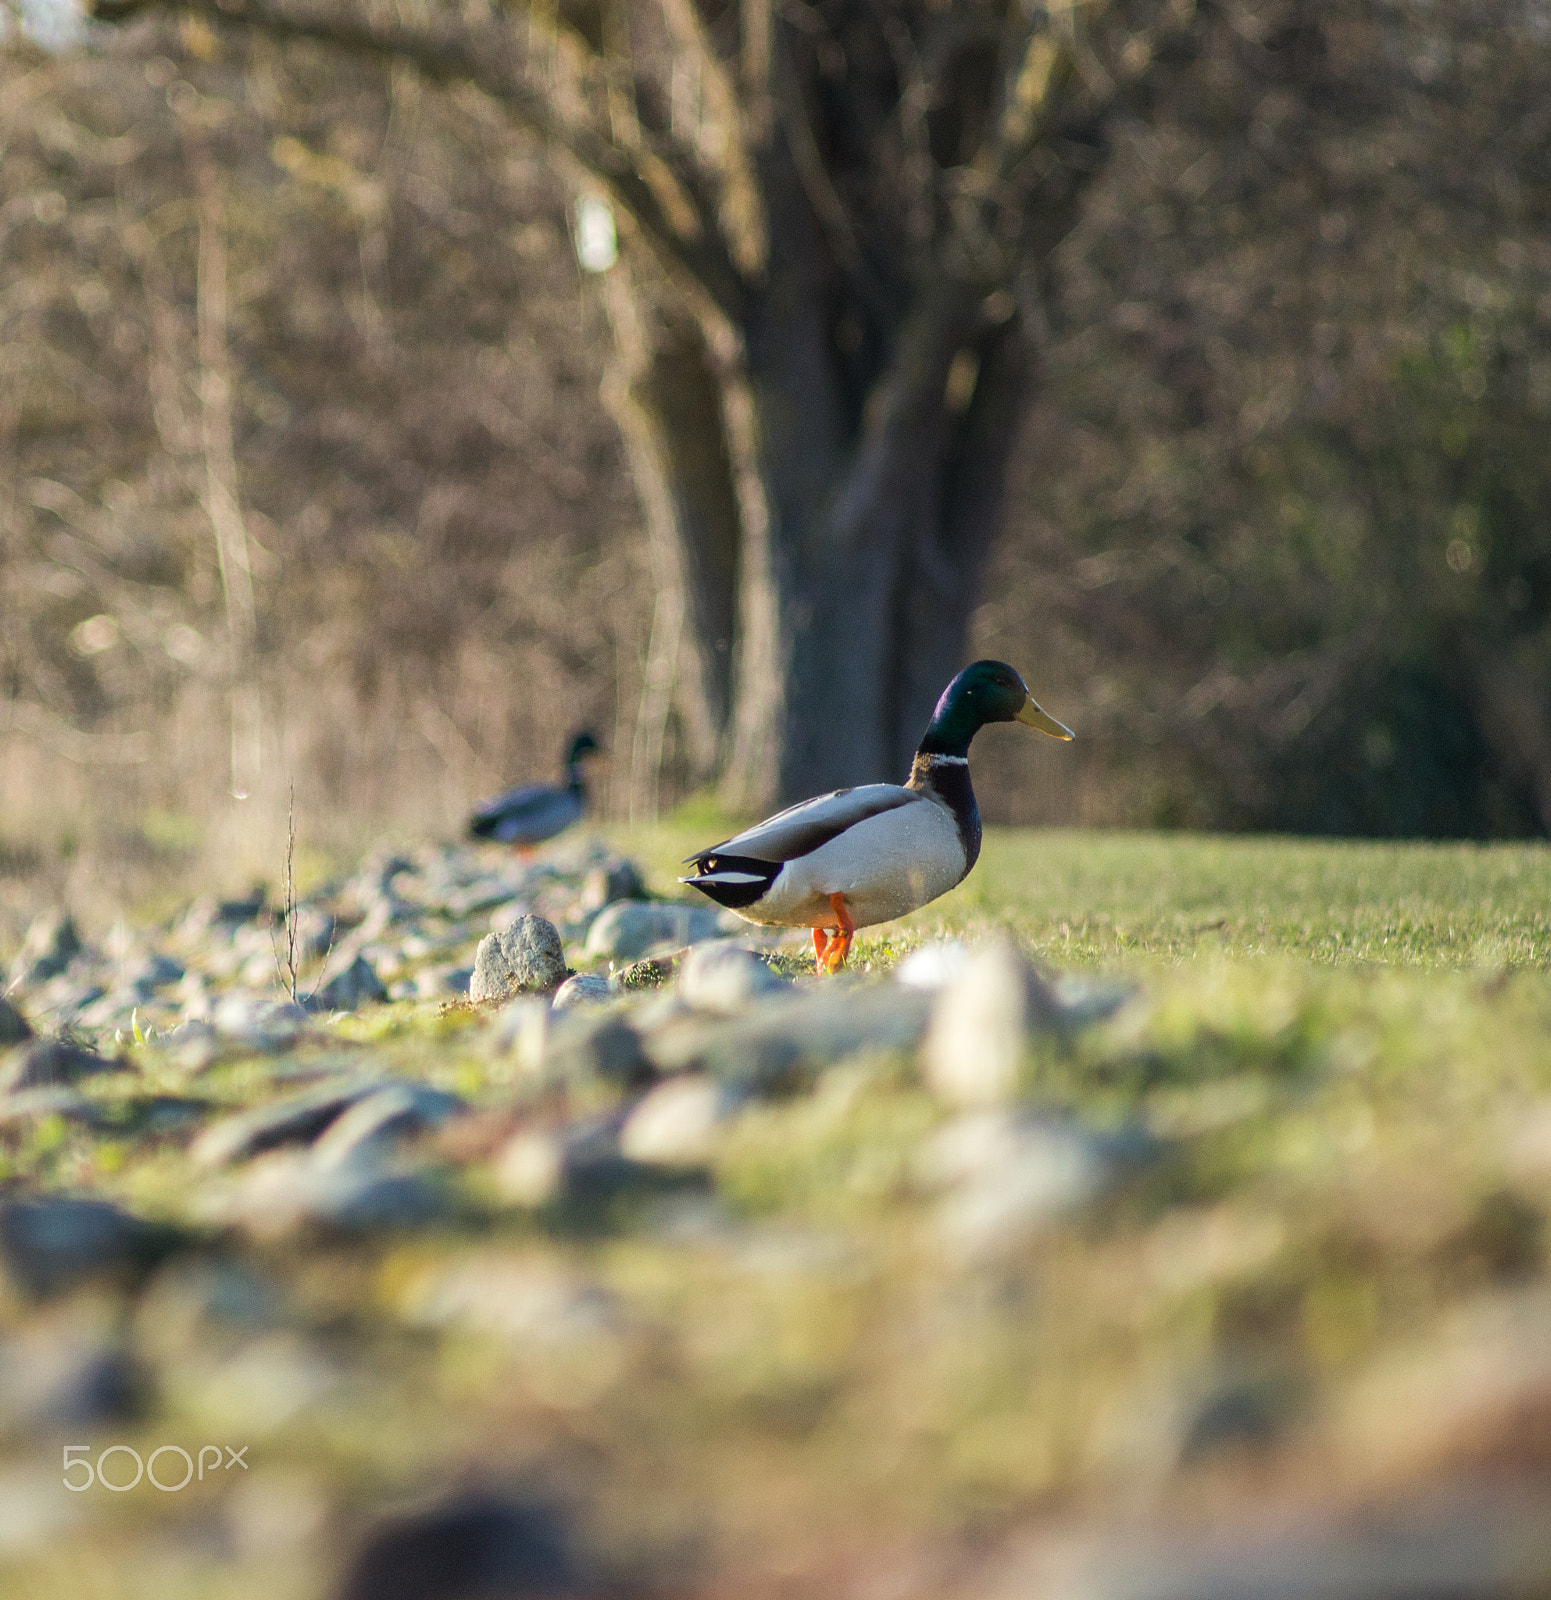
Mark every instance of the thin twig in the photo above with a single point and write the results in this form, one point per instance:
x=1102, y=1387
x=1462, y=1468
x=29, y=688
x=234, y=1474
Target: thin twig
x=287, y=969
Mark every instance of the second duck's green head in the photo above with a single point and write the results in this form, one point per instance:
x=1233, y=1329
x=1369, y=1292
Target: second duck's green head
x=986, y=691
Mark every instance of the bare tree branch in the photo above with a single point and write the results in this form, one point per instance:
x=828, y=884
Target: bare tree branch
x=742, y=211
x=642, y=182
x=223, y=504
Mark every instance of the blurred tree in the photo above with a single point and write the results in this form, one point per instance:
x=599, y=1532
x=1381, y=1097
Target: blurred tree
x=834, y=220
x=1296, y=554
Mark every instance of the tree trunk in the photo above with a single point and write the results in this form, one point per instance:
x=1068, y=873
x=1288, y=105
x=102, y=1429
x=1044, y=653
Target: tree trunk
x=850, y=603
x=821, y=459
x=665, y=399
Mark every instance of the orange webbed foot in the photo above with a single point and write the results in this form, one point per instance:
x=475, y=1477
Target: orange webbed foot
x=839, y=947
x=820, y=948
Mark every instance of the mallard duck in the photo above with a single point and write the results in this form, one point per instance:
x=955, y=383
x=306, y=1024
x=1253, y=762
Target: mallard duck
x=533, y=812
x=862, y=856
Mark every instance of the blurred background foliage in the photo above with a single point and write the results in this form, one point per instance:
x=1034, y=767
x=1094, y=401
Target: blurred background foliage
x=1276, y=542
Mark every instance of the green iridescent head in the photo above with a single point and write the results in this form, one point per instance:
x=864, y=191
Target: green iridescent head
x=986, y=691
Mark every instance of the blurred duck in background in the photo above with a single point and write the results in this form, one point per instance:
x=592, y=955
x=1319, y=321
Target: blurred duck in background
x=866, y=855
x=528, y=815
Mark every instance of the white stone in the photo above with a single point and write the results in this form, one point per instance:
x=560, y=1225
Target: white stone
x=724, y=979
x=586, y=988
x=676, y=1123
x=1008, y=1176
x=974, y=1048
x=933, y=965
x=531, y=1169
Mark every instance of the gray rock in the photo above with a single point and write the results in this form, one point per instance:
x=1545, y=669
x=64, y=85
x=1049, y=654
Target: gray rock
x=289, y=1192
x=51, y=1063
x=626, y=930
x=675, y=1124
x=615, y=880
x=261, y=969
x=109, y=1010
x=1081, y=1000
x=586, y=1045
x=522, y=1027
x=542, y=1166
x=193, y=1045
x=382, y=1119
x=211, y=915
x=195, y=1305
x=315, y=931
x=933, y=965
x=586, y=988
x=349, y=990
x=298, y=1119
x=525, y=958
x=374, y=890
x=1009, y=1175
x=52, y=1242
x=50, y=945
x=578, y=1045
x=157, y=1115
x=725, y=980
x=431, y=983
x=67, y=1000
x=32, y=1105
x=470, y=1544
x=65, y=1377
x=529, y=1301
x=257, y=1021
x=14, y=1028
x=780, y=1041
x=1244, y=1410
x=150, y=972
x=982, y=1018
x=484, y=894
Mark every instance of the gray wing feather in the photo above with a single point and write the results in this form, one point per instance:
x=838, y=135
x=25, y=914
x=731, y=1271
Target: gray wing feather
x=530, y=814
x=801, y=829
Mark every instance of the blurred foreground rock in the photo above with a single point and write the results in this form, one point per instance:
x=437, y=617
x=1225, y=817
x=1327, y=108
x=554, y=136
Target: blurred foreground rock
x=54, y=1242
x=467, y=1547
x=13, y=1025
x=50, y=1063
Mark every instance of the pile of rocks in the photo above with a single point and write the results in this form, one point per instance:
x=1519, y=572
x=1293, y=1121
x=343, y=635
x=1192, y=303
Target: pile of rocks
x=405, y=926
x=189, y=1143
x=592, y=1081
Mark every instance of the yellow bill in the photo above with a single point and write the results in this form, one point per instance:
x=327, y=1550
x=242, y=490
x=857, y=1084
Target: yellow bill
x=1035, y=718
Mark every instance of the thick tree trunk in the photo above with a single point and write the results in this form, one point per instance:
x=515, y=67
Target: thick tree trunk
x=666, y=401
x=851, y=603
x=887, y=577
x=824, y=476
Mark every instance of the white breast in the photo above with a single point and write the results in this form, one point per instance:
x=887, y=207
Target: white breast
x=885, y=866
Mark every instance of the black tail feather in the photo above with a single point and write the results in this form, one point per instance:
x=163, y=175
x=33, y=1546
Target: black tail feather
x=732, y=881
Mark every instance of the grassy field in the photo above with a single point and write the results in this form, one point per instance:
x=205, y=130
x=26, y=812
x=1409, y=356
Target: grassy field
x=1315, y=1290
x=1084, y=898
